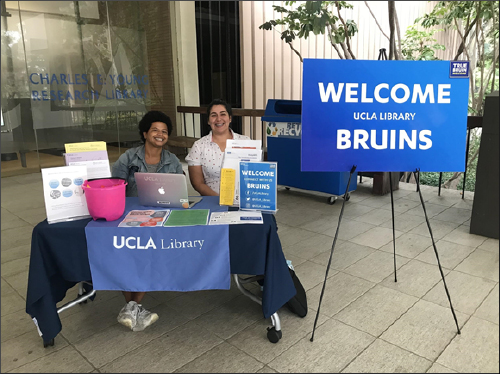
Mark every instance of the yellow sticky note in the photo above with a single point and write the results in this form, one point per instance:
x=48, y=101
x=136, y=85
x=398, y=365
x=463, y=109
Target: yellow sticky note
x=227, y=180
x=85, y=147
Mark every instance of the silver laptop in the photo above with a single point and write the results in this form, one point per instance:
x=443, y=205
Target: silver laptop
x=164, y=190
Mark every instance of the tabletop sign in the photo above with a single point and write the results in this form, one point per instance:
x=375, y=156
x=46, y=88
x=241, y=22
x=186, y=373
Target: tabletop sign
x=383, y=115
x=63, y=193
x=258, y=186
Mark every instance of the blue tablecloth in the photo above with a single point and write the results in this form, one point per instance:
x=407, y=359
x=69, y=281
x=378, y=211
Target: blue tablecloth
x=59, y=260
x=143, y=259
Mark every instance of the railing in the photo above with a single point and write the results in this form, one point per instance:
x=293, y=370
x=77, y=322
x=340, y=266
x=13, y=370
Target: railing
x=191, y=123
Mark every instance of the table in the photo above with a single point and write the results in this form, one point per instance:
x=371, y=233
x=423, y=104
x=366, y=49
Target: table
x=59, y=261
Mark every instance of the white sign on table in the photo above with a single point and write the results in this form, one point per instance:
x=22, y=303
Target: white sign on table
x=63, y=193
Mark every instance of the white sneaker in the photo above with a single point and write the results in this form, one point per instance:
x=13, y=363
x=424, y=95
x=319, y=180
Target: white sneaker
x=128, y=314
x=144, y=318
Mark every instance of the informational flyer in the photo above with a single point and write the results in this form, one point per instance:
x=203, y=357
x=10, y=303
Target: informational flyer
x=97, y=162
x=227, y=181
x=63, y=193
x=258, y=186
x=84, y=147
x=236, y=151
x=145, y=218
x=235, y=218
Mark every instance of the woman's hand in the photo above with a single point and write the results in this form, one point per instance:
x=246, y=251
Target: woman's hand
x=198, y=181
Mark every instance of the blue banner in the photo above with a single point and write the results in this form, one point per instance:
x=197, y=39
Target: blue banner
x=258, y=186
x=384, y=115
x=187, y=258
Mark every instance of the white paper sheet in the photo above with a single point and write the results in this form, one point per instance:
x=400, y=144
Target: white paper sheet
x=63, y=193
x=235, y=218
x=236, y=151
x=97, y=163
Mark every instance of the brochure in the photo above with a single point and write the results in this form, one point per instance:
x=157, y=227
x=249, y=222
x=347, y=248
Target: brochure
x=237, y=151
x=84, y=147
x=97, y=162
x=235, y=218
x=187, y=217
x=145, y=218
x=63, y=193
x=226, y=190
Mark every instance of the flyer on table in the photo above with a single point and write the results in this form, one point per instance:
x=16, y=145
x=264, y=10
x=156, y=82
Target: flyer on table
x=384, y=115
x=258, y=186
x=63, y=193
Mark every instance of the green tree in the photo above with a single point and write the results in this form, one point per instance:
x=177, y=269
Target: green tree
x=477, y=25
x=318, y=17
x=420, y=45
x=476, y=22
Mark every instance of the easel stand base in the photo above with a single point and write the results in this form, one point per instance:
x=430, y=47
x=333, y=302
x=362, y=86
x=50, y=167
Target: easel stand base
x=417, y=178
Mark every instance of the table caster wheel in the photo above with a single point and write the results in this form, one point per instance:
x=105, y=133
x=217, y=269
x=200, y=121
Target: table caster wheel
x=332, y=200
x=273, y=335
x=49, y=343
x=347, y=197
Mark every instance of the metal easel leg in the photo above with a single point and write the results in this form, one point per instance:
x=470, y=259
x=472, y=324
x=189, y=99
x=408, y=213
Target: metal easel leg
x=435, y=251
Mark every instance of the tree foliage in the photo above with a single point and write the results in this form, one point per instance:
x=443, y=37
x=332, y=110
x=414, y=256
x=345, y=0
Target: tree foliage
x=477, y=24
x=420, y=45
x=317, y=17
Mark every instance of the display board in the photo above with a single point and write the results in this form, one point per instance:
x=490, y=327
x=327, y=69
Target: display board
x=384, y=115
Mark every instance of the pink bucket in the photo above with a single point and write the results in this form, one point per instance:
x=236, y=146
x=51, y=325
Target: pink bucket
x=105, y=197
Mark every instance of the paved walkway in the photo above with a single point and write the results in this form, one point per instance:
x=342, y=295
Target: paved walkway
x=368, y=322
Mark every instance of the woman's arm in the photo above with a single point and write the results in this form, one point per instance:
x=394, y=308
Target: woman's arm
x=120, y=169
x=198, y=181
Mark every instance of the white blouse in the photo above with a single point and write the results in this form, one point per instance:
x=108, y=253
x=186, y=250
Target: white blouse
x=207, y=153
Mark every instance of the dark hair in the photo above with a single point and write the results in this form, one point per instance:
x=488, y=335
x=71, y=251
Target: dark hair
x=229, y=110
x=151, y=117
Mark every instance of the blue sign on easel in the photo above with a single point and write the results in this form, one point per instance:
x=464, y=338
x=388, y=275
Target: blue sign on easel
x=384, y=115
x=258, y=186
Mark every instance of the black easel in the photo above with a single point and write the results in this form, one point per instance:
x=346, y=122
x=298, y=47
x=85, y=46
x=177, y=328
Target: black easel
x=383, y=56
x=353, y=169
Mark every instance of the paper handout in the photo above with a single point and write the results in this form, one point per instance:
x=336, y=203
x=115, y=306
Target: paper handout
x=63, y=193
x=97, y=163
x=235, y=218
x=236, y=151
x=226, y=192
x=145, y=218
x=84, y=147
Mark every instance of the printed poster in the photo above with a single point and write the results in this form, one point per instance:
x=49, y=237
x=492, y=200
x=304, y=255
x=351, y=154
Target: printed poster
x=63, y=193
x=384, y=115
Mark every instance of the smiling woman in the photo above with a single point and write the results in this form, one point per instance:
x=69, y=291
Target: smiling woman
x=154, y=130
x=205, y=158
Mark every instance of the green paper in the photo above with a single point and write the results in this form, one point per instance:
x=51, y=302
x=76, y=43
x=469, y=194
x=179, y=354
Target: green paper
x=190, y=217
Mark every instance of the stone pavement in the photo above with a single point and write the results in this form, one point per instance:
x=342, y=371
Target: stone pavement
x=367, y=322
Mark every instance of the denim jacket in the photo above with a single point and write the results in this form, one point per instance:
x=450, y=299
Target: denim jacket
x=134, y=160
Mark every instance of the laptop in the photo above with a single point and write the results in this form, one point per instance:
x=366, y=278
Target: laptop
x=163, y=190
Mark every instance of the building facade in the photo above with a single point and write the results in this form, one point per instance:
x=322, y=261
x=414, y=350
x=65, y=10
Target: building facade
x=76, y=71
